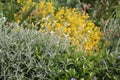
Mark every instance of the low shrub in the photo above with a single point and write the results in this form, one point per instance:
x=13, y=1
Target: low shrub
x=79, y=66
x=23, y=52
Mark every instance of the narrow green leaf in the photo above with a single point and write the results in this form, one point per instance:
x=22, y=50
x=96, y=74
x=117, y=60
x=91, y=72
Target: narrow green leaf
x=69, y=1
x=26, y=14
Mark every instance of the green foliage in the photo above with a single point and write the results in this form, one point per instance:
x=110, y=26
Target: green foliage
x=102, y=10
x=82, y=67
x=118, y=10
x=112, y=34
x=27, y=13
x=29, y=55
x=8, y=8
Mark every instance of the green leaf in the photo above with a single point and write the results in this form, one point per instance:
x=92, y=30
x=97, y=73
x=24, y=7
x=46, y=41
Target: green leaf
x=11, y=14
x=69, y=1
x=26, y=14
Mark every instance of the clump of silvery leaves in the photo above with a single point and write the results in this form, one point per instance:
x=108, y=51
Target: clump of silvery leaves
x=25, y=53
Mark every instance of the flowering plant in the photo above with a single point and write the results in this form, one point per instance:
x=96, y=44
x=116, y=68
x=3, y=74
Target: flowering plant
x=65, y=22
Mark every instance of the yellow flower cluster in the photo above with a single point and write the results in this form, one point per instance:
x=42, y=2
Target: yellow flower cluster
x=66, y=22
x=81, y=32
x=26, y=5
x=25, y=1
x=42, y=9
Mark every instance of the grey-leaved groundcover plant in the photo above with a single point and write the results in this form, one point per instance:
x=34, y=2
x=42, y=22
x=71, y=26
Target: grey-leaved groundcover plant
x=22, y=52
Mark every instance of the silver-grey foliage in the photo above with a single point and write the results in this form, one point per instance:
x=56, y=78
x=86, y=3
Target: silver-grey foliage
x=22, y=52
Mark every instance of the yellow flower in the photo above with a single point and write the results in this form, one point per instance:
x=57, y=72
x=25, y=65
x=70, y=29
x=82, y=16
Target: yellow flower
x=18, y=1
x=81, y=31
x=42, y=31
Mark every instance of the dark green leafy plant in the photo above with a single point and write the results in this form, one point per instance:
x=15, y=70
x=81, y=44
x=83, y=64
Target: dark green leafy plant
x=99, y=66
x=8, y=8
